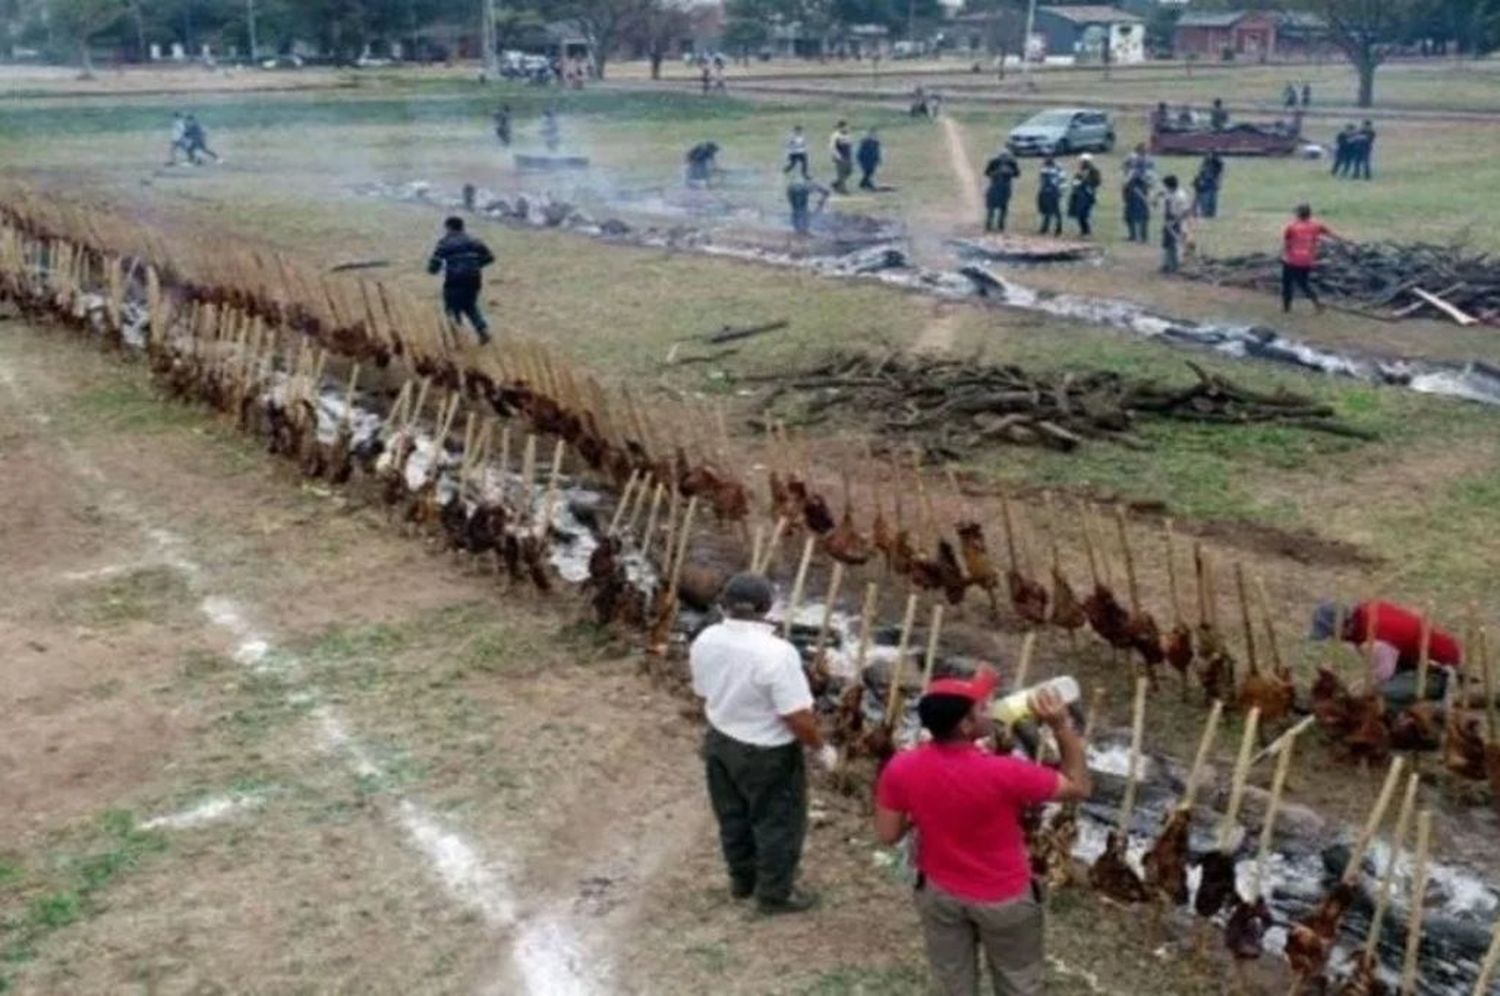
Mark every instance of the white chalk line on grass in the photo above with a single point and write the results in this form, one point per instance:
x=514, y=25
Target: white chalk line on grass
x=210, y=810
x=546, y=954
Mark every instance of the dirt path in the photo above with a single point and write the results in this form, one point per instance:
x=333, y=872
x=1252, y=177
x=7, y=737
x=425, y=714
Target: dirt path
x=968, y=182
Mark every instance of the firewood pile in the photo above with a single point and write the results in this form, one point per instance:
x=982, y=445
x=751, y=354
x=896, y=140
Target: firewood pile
x=1387, y=279
x=953, y=407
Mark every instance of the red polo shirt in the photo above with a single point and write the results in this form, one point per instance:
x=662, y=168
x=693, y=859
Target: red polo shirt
x=1402, y=629
x=966, y=806
x=1300, y=242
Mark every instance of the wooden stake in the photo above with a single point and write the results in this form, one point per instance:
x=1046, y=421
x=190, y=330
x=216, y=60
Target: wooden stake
x=1387, y=878
x=1023, y=666
x=893, y=697
x=1416, y=909
x=1130, y=580
x=1132, y=773
x=1487, y=672
x=550, y=498
x=866, y=628
x=835, y=580
x=757, y=543
x=1372, y=824
x=1237, y=786
x=684, y=538
x=935, y=627
x=1268, y=828
x=795, y=600
x=1245, y=618
x=650, y=535
x=1205, y=746
x=1172, y=575
x=1424, y=660
x=1091, y=718
x=1010, y=531
x=1264, y=604
x=769, y=553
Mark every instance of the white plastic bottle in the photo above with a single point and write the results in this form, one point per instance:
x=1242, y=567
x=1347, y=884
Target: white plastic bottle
x=1016, y=707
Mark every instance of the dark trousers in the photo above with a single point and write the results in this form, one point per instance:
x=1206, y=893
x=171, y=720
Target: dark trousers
x=1082, y=214
x=995, y=210
x=1208, y=203
x=461, y=300
x=1294, y=278
x=867, y=177
x=794, y=160
x=1138, y=229
x=1360, y=168
x=1340, y=162
x=759, y=796
x=1050, y=208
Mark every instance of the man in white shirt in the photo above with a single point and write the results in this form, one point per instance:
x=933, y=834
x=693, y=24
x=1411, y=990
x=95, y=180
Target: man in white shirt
x=760, y=714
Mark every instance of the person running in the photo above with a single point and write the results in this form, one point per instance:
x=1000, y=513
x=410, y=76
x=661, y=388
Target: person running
x=868, y=157
x=1137, y=196
x=841, y=150
x=1206, y=185
x=796, y=151
x=460, y=258
x=503, y=125
x=1049, y=196
x=179, y=139
x=1002, y=171
x=1083, y=193
x=760, y=716
x=1299, y=256
x=1175, y=209
x=974, y=888
x=196, y=141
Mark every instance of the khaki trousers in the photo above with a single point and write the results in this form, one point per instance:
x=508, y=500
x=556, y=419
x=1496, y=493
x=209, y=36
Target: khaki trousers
x=1011, y=934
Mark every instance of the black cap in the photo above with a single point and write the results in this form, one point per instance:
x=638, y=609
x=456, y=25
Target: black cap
x=747, y=594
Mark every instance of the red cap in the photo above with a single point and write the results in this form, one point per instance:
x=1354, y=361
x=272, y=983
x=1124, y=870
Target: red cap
x=975, y=689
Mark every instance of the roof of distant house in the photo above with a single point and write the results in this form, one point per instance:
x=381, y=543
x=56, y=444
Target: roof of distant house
x=1093, y=14
x=1212, y=18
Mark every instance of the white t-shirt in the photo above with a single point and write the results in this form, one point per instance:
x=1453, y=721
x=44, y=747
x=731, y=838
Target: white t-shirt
x=749, y=678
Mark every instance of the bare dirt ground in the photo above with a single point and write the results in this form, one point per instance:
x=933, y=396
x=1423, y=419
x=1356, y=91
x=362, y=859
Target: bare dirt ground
x=256, y=742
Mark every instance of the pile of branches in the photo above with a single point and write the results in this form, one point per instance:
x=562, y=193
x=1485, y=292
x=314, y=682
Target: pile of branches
x=950, y=407
x=1386, y=278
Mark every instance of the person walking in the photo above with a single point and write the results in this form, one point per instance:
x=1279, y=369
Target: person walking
x=841, y=150
x=195, y=139
x=974, y=886
x=760, y=715
x=1049, y=196
x=1083, y=193
x=503, y=125
x=1002, y=172
x=800, y=191
x=179, y=139
x=1137, y=197
x=1206, y=185
x=1362, y=148
x=1299, y=256
x=796, y=151
x=868, y=156
x=460, y=258
x=1175, y=209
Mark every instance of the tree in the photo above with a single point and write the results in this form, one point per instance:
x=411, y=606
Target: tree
x=653, y=30
x=81, y=20
x=1367, y=31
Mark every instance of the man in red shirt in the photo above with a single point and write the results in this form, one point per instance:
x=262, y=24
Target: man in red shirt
x=1299, y=255
x=974, y=885
x=1397, y=653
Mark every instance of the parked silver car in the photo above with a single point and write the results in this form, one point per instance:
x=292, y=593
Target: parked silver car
x=1062, y=131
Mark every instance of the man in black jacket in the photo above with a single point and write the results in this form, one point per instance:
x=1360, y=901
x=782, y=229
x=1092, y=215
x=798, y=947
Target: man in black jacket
x=461, y=258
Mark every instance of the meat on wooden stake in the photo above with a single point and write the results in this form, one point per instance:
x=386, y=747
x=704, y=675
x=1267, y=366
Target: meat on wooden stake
x=1111, y=874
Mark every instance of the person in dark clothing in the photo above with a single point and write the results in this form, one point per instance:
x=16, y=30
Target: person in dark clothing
x=1137, y=195
x=196, y=141
x=868, y=157
x=701, y=161
x=799, y=193
x=1343, y=148
x=1083, y=193
x=1002, y=171
x=1289, y=96
x=1049, y=196
x=460, y=258
x=1362, y=148
x=502, y=125
x=1206, y=186
x=1218, y=117
x=1306, y=94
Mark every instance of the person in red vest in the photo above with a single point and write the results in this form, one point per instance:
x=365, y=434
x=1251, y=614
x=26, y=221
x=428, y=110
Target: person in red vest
x=1299, y=256
x=1397, y=632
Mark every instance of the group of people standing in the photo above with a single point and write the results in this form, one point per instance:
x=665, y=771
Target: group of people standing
x=1352, y=150
x=844, y=154
x=1078, y=195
